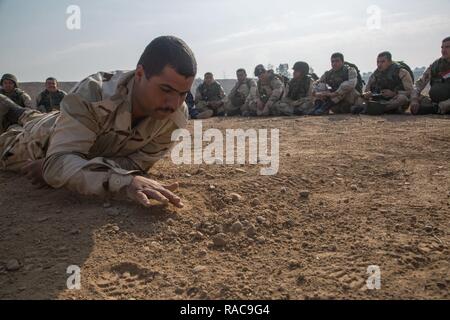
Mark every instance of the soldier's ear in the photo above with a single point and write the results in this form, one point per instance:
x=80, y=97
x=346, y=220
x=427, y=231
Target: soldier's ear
x=139, y=73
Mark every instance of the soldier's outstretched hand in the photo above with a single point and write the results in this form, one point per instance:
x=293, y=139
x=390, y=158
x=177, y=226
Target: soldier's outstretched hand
x=142, y=189
x=33, y=171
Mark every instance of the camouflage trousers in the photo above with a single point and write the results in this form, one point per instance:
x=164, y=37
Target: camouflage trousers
x=202, y=106
x=243, y=109
x=343, y=103
x=398, y=104
x=428, y=107
x=288, y=107
x=26, y=140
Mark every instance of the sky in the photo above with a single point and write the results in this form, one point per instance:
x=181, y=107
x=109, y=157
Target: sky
x=224, y=35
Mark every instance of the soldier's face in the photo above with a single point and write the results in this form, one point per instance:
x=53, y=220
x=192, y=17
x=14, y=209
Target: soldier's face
x=8, y=85
x=336, y=64
x=445, y=49
x=161, y=95
x=51, y=85
x=209, y=79
x=297, y=74
x=383, y=63
x=241, y=76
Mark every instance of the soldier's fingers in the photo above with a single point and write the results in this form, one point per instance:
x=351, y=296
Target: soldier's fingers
x=173, y=198
x=171, y=187
x=156, y=195
x=142, y=198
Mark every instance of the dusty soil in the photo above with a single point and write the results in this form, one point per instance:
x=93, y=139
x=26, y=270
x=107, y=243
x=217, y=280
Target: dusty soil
x=378, y=195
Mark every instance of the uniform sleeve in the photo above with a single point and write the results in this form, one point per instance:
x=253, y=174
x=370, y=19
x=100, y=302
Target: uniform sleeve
x=66, y=164
x=369, y=83
x=407, y=82
x=277, y=90
x=253, y=92
x=198, y=95
x=421, y=83
x=28, y=103
x=222, y=93
x=350, y=84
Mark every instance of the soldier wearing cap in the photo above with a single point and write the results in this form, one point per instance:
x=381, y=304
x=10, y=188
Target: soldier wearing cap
x=210, y=98
x=298, y=96
x=270, y=90
x=10, y=88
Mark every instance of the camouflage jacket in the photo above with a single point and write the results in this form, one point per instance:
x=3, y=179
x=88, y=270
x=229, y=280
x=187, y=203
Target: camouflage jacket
x=48, y=101
x=20, y=97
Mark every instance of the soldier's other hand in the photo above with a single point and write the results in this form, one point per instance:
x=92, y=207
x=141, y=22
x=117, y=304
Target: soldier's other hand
x=33, y=171
x=387, y=93
x=367, y=95
x=142, y=189
x=415, y=107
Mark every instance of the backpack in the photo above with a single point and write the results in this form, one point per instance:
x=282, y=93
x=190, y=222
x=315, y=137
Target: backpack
x=403, y=65
x=361, y=83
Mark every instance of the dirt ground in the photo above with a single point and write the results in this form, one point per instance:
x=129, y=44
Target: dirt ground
x=351, y=191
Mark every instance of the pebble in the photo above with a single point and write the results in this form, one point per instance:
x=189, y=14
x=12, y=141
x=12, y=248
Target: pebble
x=237, y=227
x=212, y=187
x=187, y=175
x=12, y=265
x=220, y=240
x=240, y=170
x=354, y=187
x=255, y=202
x=260, y=219
x=236, y=197
x=304, y=194
x=199, y=269
x=283, y=190
x=251, y=231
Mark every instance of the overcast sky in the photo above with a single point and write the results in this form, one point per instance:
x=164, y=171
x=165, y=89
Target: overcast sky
x=225, y=35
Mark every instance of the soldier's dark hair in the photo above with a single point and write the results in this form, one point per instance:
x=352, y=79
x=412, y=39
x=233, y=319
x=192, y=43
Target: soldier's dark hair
x=208, y=74
x=386, y=54
x=168, y=51
x=446, y=39
x=337, y=55
x=241, y=70
x=51, y=79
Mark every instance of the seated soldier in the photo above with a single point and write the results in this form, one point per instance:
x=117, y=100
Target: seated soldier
x=193, y=112
x=210, y=98
x=10, y=88
x=438, y=76
x=341, y=82
x=270, y=90
x=242, y=95
x=297, y=98
x=50, y=99
x=388, y=89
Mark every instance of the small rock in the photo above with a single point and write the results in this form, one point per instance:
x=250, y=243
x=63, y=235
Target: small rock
x=260, y=219
x=240, y=170
x=202, y=253
x=251, y=231
x=107, y=205
x=12, y=265
x=236, y=197
x=220, y=240
x=199, y=269
x=212, y=187
x=237, y=227
x=170, y=222
x=196, y=235
x=115, y=228
x=261, y=240
x=283, y=190
x=255, y=202
x=354, y=187
x=304, y=194
x=179, y=291
x=428, y=229
x=294, y=264
x=187, y=175
x=346, y=200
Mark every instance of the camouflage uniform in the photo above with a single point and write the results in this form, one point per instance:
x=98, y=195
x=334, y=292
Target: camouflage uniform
x=343, y=82
x=241, y=97
x=438, y=76
x=269, y=93
x=48, y=101
x=210, y=93
x=20, y=97
x=297, y=98
x=396, y=79
x=90, y=145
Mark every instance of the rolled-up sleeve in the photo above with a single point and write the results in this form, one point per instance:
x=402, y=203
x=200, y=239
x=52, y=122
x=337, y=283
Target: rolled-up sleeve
x=350, y=84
